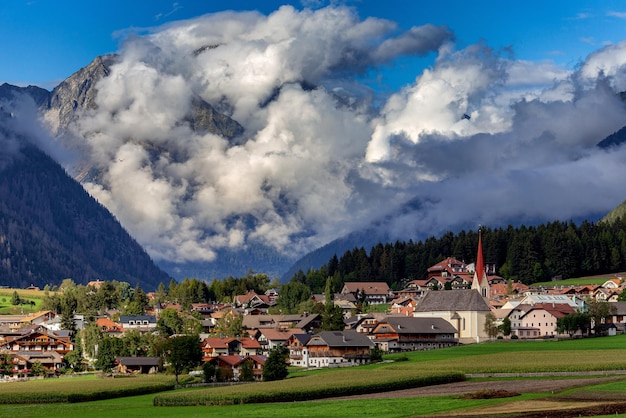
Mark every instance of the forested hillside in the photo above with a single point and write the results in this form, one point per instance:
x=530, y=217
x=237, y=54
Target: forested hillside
x=51, y=229
x=530, y=254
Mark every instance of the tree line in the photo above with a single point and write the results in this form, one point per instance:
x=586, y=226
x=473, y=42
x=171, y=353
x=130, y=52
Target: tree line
x=528, y=254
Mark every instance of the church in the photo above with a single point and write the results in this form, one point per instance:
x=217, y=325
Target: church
x=465, y=309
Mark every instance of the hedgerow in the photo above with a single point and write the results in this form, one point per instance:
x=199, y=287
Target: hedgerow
x=81, y=390
x=301, y=389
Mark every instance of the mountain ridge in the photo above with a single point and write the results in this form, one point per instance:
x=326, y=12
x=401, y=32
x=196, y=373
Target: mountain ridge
x=53, y=229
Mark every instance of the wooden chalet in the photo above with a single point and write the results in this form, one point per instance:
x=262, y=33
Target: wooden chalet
x=337, y=348
x=408, y=334
x=36, y=338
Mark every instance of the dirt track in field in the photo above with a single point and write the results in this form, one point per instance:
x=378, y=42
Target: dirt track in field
x=557, y=407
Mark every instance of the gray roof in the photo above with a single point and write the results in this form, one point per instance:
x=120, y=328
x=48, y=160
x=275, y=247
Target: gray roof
x=138, y=361
x=620, y=306
x=452, y=300
x=346, y=338
x=411, y=325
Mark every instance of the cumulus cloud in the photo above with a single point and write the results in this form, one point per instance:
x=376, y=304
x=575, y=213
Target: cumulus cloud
x=478, y=137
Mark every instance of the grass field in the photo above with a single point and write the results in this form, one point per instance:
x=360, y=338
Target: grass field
x=580, y=281
x=585, y=354
x=7, y=308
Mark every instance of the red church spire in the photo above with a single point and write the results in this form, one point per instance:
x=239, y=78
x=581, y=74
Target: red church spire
x=480, y=264
x=480, y=281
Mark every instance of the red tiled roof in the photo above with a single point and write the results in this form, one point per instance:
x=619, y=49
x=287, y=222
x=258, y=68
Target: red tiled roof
x=216, y=342
x=368, y=288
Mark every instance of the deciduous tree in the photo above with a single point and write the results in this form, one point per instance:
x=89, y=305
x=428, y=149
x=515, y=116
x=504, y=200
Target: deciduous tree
x=275, y=367
x=182, y=353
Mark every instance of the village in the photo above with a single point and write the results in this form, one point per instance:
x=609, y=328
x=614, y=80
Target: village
x=456, y=304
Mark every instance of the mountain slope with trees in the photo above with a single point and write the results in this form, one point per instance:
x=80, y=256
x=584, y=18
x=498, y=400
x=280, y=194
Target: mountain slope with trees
x=51, y=229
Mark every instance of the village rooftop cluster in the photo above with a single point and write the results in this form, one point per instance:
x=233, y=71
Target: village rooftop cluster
x=456, y=304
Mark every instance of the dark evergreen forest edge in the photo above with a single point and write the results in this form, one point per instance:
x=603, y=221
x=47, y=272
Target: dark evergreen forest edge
x=528, y=254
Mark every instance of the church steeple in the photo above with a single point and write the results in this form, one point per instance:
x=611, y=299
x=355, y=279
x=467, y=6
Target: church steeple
x=480, y=281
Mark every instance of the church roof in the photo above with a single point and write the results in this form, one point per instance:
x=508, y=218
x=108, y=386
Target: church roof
x=452, y=300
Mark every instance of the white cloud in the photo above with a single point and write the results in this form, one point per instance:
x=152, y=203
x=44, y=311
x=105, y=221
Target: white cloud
x=316, y=163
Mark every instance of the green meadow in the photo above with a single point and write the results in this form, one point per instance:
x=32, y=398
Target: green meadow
x=594, y=355
x=7, y=308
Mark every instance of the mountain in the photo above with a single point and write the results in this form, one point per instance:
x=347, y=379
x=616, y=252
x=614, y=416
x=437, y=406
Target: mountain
x=378, y=232
x=613, y=140
x=78, y=93
x=41, y=96
x=52, y=229
x=616, y=213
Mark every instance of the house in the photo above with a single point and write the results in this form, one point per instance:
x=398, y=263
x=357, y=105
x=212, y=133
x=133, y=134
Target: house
x=306, y=321
x=38, y=339
x=250, y=347
x=137, y=365
x=574, y=302
x=144, y=323
x=466, y=310
x=410, y=334
x=11, y=321
x=109, y=328
x=337, y=348
x=539, y=320
x=412, y=289
x=403, y=306
x=260, y=321
x=252, y=300
x=602, y=294
x=297, y=344
x=618, y=318
x=23, y=361
x=447, y=268
x=38, y=318
x=270, y=338
x=95, y=283
x=230, y=367
x=347, y=307
x=372, y=292
x=215, y=347
x=364, y=324
x=204, y=309
x=614, y=283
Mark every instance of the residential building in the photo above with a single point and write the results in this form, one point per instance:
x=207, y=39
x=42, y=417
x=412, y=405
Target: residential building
x=539, y=320
x=144, y=323
x=337, y=348
x=410, y=333
x=372, y=292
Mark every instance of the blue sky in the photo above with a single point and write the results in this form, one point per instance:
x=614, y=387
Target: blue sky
x=45, y=41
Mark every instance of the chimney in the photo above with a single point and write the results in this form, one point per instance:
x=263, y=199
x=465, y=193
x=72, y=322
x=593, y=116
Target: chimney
x=432, y=326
